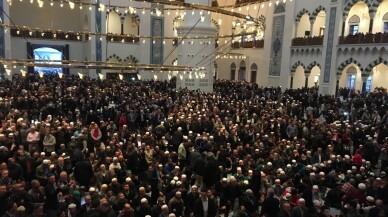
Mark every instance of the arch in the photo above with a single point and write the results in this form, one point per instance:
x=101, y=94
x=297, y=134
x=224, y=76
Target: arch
x=342, y=66
x=254, y=67
x=373, y=7
x=113, y=58
x=242, y=64
x=131, y=24
x=385, y=17
x=301, y=13
x=312, y=65
x=316, y=12
x=232, y=71
x=351, y=70
x=131, y=59
x=370, y=67
x=280, y=8
x=354, y=19
x=351, y=3
x=215, y=22
x=296, y=65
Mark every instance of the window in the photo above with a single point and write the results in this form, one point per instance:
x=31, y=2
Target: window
x=321, y=31
x=385, y=27
x=353, y=29
x=351, y=81
x=368, y=84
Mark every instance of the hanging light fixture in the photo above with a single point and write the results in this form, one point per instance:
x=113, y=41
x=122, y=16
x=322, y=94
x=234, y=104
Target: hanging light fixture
x=60, y=75
x=71, y=5
x=40, y=74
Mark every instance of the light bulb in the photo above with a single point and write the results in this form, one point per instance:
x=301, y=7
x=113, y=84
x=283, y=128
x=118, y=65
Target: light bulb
x=61, y=5
x=71, y=4
x=31, y=1
x=55, y=35
x=192, y=13
x=90, y=8
x=9, y=2
x=143, y=41
x=80, y=7
x=51, y=3
x=164, y=42
x=255, y=7
x=143, y=12
x=90, y=38
x=18, y=32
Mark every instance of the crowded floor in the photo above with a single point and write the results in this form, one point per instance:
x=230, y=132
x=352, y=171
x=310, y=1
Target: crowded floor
x=75, y=147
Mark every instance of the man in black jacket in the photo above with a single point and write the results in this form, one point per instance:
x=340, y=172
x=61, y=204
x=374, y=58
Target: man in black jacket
x=83, y=173
x=270, y=205
x=205, y=206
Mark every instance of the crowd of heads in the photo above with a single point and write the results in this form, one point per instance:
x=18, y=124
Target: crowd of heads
x=82, y=147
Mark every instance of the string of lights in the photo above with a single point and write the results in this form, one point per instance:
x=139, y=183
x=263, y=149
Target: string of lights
x=87, y=35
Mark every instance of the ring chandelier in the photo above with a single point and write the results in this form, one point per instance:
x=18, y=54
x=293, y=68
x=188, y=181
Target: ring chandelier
x=180, y=5
x=87, y=35
x=95, y=65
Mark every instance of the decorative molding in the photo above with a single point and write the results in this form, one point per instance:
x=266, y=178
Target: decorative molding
x=280, y=8
x=157, y=44
x=343, y=65
x=330, y=44
x=98, y=28
x=316, y=12
x=295, y=66
x=301, y=13
x=276, y=48
x=370, y=67
x=311, y=66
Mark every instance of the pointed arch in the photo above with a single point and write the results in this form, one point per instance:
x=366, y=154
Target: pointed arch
x=316, y=12
x=113, y=58
x=296, y=65
x=131, y=59
x=311, y=66
x=374, y=6
x=301, y=13
x=233, y=66
x=350, y=3
x=342, y=66
x=254, y=67
x=370, y=67
x=280, y=8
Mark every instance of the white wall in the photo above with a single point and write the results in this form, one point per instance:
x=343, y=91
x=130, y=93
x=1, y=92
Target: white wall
x=304, y=25
x=319, y=23
x=380, y=76
x=47, y=17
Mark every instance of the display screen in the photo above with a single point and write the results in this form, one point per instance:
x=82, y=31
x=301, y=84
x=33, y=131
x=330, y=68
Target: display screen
x=48, y=53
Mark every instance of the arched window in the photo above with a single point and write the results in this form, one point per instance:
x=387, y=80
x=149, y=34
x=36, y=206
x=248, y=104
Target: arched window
x=232, y=71
x=253, y=73
x=242, y=71
x=113, y=23
x=354, y=23
x=385, y=22
x=351, y=77
x=131, y=24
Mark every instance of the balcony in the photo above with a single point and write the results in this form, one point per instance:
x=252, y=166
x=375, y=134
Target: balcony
x=306, y=41
x=361, y=38
x=248, y=44
x=122, y=38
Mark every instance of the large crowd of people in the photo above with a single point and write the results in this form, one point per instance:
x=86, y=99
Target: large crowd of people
x=75, y=147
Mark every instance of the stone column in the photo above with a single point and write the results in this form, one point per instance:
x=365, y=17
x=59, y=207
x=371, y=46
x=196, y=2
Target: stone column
x=306, y=82
x=364, y=77
x=337, y=84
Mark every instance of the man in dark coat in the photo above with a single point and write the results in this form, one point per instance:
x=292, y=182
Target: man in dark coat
x=83, y=172
x=205, y=206
x=270, y=205
x=300, y=210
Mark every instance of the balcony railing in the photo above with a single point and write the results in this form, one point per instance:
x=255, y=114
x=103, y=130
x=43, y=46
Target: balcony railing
x=305, y=41
x=361, y=38
x=122, y=38
x=248, y=44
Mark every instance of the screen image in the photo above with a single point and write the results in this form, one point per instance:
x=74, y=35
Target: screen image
x=47, y=53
